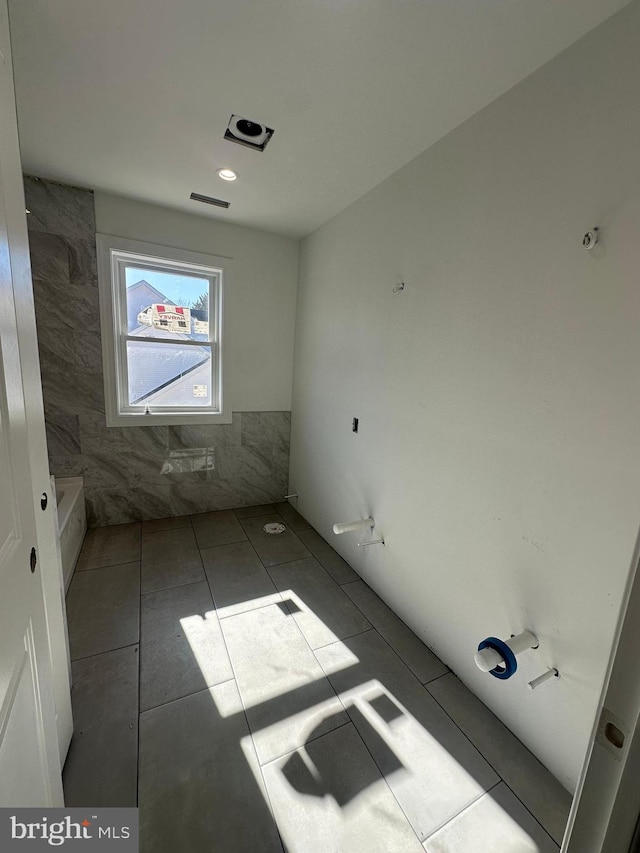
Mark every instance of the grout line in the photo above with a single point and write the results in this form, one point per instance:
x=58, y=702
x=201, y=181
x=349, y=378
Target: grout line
x=250, y=609
x=266, y=567
x=364, y=743
x=384, y=779
x=541, y=825
x=348, y=722
x=286, y=562
x=174, y=586
x=484, y=757
x=343, y=639
x=220, y=544
x=257, y=515
x=395, y=652
x=332, y=581
x=388, y=642
x=250, y=733
x=106, y=652
x=437, y=677
x=242, y=699
x=186, y=696
x=107, y=566
x=463, y=809
x=213, y=598
x=324, y=675
x=330, y=547
x=412, y=675
x=167, y=530
x=483, y=794
x=251, y=518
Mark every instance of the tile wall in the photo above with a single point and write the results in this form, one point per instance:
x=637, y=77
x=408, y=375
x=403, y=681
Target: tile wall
x=130, y=473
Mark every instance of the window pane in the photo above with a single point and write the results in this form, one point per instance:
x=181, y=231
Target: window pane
x=166, y=305
x=169, y=374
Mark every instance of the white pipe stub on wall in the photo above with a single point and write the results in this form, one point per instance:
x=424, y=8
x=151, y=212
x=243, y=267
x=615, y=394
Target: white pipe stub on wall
x=351, y=526
x=546, y=676
x=361, y=524
x=498, y=657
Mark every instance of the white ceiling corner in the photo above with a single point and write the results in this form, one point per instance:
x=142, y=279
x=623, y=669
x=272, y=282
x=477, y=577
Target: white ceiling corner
x=134, y=98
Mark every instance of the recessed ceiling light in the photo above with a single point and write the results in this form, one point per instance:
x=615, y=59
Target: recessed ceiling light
x=227, y=174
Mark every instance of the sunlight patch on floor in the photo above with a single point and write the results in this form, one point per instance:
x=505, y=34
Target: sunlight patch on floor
x=423, y=765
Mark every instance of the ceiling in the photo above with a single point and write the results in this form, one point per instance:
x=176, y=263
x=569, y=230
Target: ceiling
x=133, y=96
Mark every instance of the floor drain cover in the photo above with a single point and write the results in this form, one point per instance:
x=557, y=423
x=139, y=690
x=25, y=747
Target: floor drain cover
x=274, y=527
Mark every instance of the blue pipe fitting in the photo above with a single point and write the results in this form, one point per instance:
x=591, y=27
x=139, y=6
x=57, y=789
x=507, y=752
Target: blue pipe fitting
x=510, y=664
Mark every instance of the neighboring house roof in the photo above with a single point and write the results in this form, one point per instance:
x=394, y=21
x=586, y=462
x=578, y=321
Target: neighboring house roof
x=154, y=366
x=139, y=296
x=180, y=391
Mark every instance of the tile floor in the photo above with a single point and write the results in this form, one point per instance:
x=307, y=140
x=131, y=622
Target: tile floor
x=251, y=693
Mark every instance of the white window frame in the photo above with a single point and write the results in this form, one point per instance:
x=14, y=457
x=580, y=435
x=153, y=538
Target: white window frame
x=113, y=253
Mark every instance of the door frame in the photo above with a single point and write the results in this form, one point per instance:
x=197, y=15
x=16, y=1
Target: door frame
x=606, y=806
x=46, y=520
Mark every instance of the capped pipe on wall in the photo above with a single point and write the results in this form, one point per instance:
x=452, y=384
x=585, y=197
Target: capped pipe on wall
x=498, y=657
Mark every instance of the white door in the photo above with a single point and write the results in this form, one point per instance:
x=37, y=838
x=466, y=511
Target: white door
x=29, y=760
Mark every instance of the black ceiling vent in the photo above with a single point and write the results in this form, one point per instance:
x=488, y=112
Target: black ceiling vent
x=248, y=133
x=207, y=199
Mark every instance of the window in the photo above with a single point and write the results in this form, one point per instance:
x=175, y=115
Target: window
x=162, y=334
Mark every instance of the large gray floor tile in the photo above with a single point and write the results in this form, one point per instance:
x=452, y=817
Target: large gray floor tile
x=339, y=570
x=329, y=797
x=283, y=688
x=532, y=783
x=103, y=608
x=420, y=660
x=200, y=784
x=108, y=546
x=237, y=578
x=170, y=558
x=322, y=611
x=102, y=764
x=496, y=823
x=217, y=528
x=182, y=649
x=291, y=516
x=158, y=524
x=251, y=511
x=432, y=769
x=273, y=548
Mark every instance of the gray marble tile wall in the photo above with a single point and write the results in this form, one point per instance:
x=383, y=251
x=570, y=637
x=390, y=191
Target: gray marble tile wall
x=130, y=473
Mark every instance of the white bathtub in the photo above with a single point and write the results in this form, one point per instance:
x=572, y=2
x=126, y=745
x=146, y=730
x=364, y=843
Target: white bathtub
x=72, y=523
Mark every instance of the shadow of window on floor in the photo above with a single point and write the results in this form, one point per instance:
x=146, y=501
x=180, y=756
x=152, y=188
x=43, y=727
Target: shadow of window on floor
x=435, y=774
x=385, y=707
x=323, y=773
x=288, y=606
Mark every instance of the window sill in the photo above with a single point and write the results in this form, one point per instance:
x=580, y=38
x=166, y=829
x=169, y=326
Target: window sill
x=167, y=419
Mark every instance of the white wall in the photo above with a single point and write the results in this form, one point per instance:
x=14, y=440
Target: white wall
x=499, y=443
x=260, y=300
